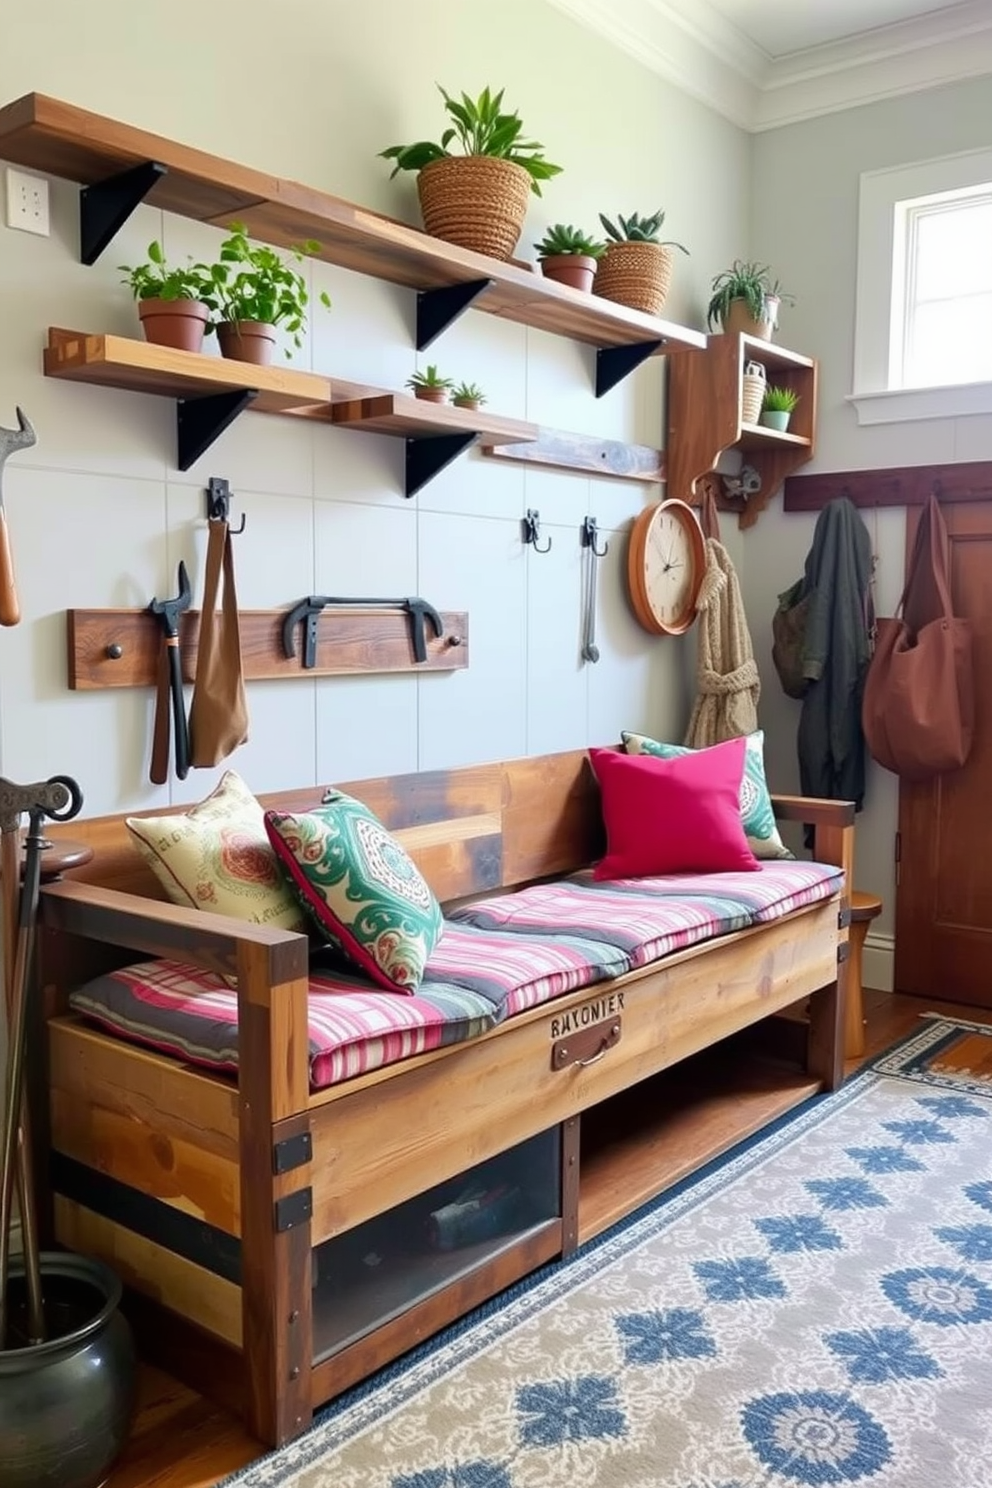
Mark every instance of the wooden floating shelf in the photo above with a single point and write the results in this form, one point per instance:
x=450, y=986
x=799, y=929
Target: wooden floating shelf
x=586, y=455
x=757, y=436
x=349, y=641
x=59, y=139
x=395, y=413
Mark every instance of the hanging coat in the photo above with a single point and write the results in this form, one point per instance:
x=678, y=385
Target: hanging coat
x=727, y=681
x=836, y=650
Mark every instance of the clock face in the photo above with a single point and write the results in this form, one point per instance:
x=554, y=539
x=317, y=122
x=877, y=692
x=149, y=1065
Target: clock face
x=665, y=567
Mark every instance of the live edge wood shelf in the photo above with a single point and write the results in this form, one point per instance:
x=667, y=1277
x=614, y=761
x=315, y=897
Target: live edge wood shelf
x=62, y=140
x=211, y=391
x=704, y=418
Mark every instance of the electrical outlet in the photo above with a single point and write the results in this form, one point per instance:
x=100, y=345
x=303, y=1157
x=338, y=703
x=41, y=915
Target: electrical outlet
x=27, y=202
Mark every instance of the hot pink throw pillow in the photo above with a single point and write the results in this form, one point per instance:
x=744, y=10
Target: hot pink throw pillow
x=672, y=816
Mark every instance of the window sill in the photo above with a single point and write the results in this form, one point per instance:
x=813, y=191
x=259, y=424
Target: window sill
x=904, y=405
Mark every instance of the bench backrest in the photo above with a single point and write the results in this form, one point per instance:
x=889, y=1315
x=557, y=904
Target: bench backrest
x=470, y=829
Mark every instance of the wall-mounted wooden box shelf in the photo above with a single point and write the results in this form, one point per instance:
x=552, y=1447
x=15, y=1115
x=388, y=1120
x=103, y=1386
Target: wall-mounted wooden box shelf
x=704, y=417
x=62, y=140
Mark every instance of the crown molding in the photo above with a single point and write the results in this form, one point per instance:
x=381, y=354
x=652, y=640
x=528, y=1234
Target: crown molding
x=694, y=47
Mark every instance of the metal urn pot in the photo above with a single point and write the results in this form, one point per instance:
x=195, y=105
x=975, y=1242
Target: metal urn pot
x=66, y=1404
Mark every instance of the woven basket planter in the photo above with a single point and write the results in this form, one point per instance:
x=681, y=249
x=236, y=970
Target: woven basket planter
x=752, y=396
x=636, y=275
x=476, y=201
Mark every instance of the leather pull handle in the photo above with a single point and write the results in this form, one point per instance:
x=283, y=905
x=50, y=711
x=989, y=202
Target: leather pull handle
x=10, y=609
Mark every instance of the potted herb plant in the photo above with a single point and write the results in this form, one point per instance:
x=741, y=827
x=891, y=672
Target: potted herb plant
x=569, y=256
x=636, y=267
x=171, y=306
x=477, y=199
x=254, y=291
x=746, y=299
x=777, y=406
x=430, y=386
x=467, y=395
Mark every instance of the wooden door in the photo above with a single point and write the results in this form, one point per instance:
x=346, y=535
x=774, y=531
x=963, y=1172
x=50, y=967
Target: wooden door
x=944, y=894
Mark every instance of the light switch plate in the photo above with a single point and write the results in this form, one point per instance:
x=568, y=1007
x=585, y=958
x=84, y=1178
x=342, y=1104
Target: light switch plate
x=27, y=202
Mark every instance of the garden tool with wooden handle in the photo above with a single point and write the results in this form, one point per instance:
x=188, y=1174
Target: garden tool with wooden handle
x=22, y=437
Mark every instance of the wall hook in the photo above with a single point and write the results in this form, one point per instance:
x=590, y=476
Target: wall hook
x=589, y=532
x=219, y=504
x=532, y=530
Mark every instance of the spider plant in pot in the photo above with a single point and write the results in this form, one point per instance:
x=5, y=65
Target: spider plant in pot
x=777, y=406
x=746, y=299
x=477, y=199
x=254, y=291
x=467, y=395
x=636, y=268
x=569, y=256
x=171, y=306
x=430, y=386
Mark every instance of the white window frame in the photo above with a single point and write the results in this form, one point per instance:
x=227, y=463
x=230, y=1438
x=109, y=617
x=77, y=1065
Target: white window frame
x=879, y=299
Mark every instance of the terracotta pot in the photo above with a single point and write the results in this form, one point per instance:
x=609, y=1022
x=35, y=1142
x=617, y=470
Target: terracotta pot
x=431, y=394
x=739, y=321
x=247, y=341
x=636, y=275
x=476, y=201
x=472, y=403
x=180, y=324
x=573, y=269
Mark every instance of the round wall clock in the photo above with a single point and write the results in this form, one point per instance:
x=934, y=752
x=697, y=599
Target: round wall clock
x=665, y=566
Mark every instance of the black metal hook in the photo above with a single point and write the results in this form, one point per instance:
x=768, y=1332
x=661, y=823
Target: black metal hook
x=589, y=532
x=219, y=504
x=532, y=530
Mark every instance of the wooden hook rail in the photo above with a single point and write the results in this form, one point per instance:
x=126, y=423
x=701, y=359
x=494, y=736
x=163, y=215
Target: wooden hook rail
x=120, y=648
x=907, y=485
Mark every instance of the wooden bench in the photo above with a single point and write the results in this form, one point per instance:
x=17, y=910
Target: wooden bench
x=219, y=1200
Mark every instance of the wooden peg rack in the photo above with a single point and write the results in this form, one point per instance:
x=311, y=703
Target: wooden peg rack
x=904, y=485
x=120, y=648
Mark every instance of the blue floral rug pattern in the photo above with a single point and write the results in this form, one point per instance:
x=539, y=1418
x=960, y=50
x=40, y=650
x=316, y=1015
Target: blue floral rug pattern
x=814, y=1310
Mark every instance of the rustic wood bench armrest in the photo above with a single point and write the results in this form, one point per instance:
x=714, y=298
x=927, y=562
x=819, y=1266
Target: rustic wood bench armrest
x=816, y=810
x=159, y=929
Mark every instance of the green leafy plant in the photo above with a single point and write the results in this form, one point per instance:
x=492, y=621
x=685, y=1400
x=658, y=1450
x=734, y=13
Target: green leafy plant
x=431, y=378
x=253, y=282
x=467, y=392
x=744, y=280
x=779, y=400
x=562, y=239
x=637, y=229
x=155, y=280
x=481, y=129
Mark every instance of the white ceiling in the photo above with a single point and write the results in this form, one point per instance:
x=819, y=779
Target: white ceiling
x=764, y=63
x=781, y=27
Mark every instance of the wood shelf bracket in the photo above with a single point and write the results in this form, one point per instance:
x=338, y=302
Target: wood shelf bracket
x=437, y=309
x=614, y=363
x=105, y=206
x=199, y=421
x=427, y=456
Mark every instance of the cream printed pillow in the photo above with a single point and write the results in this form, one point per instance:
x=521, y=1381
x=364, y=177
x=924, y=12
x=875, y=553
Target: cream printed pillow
x=217, y=856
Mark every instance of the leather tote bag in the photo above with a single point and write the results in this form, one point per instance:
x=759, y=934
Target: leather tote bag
x=918, y=705
x=218, y=715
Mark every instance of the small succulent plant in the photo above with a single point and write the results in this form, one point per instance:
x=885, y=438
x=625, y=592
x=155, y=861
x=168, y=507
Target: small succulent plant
x=561, y=239
x=467, y=394
x=637, y=229
x=779, y=400
x=431, y=378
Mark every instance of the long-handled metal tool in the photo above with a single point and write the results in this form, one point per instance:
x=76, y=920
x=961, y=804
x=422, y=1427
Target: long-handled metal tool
x=170, y=685
x=59, y=798
x=10, y=440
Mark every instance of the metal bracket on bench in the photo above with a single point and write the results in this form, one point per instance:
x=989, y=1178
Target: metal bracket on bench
x=292, y=1152
x=843, y=917
x=295, y=1209
x=843, y=951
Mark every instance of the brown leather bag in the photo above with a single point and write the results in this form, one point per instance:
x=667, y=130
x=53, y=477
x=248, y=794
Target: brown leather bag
x=218, y=715
x=918, y=705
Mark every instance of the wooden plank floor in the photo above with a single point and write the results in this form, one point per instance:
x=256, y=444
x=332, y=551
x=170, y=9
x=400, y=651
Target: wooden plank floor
x=180, y=1440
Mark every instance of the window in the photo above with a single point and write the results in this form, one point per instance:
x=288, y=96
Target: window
x=923, y=335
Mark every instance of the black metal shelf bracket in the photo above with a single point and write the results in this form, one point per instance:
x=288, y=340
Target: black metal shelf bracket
x=105, y=207
x=429, y=454
x=438, y=308
x=199, y=421
x=614, y=363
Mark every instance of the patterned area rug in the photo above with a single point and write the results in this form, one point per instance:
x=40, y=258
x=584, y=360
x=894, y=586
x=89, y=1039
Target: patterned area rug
x=814, y=1309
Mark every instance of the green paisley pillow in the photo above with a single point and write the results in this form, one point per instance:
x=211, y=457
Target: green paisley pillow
x=360, y=887
x=757, y=815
